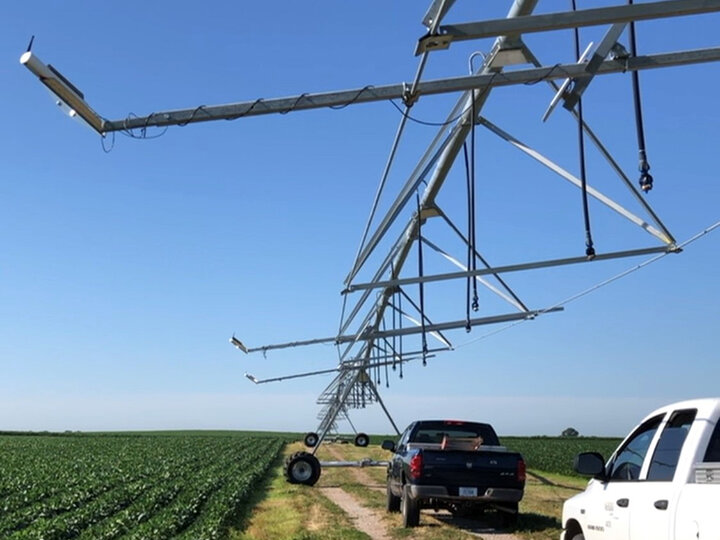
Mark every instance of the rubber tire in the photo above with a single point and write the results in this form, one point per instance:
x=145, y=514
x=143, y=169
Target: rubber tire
x=580, y=536
x=362, y=440
x=410, y=509
x=302, y=468
x=311, y=439
x=393, y=501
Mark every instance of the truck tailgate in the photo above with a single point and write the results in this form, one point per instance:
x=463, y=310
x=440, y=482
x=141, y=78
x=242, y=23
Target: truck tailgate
x=462, y=468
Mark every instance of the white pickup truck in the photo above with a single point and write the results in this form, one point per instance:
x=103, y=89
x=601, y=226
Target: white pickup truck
x=662, y=483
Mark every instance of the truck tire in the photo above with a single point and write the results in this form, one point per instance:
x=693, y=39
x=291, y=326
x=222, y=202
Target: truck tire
x=410, y=509
x=393, y=501
x=311, y=439
x=302, y=468
x=362, y=440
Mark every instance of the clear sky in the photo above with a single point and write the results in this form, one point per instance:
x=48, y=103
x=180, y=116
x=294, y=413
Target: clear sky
x=124, y=273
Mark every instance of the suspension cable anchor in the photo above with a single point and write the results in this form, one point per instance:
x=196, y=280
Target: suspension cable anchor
x=408, y=96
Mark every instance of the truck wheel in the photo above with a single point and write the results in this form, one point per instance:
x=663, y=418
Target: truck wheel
x=302, y=468
x=393, y=501
x=311, y=439
x=362, y=440
x=410, y=509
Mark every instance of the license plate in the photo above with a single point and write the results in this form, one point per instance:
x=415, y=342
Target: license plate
x=467, y=492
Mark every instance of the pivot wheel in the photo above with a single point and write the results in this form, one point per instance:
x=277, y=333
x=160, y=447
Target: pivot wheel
x=311, y=439
x=302, y=468
x=362, y=440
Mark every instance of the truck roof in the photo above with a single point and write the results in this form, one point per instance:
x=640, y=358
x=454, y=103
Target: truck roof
x=707, y=408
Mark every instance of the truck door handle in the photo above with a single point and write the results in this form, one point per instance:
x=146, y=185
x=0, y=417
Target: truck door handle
x=661, y=504
x=623, y=503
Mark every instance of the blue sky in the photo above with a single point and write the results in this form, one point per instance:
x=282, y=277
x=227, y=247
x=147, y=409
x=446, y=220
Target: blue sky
x=124, y=273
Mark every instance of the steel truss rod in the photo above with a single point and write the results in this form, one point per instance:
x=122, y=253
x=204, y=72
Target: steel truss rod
x=448, y=34
x=425, y=320
x=471, y=103
x=508, y=298
x=380, y=334
x=607, y=201
x=410, y=330
x=437, y=13
x=370, y=93
x=401, y=251
x=374, y=390
x=509, y=268
x=346, y=366
x=516, y=299
x=384, y=266
x=608, y=157
x=579, y=71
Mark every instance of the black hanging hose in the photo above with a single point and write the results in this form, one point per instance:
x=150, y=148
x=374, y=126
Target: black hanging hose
x=422, y=287
x=400, y=338
x=394, y=325
x=471, y=259
x=589, y=248
x=471, y=238
x=646, y=180
x=469, y=252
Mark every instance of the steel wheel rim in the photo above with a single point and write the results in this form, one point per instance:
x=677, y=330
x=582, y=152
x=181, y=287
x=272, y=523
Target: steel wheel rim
x=302, y=471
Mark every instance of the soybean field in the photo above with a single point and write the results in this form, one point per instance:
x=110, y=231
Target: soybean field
x=556, y=454
x=134, y=486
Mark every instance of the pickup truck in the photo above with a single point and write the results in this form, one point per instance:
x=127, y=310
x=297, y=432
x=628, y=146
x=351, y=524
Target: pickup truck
x=662, y=483
x=458, y=466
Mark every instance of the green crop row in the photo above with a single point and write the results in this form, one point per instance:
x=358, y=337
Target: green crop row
x=136, y=486
x=556, y=454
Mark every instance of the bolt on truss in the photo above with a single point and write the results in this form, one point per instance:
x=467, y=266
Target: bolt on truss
x=387, y=324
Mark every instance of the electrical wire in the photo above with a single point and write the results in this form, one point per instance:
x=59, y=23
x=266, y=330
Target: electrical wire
x=129, y=132
x=353, y=100
x=108, y=149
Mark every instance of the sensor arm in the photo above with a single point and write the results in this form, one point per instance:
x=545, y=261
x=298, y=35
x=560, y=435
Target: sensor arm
x=65, y=91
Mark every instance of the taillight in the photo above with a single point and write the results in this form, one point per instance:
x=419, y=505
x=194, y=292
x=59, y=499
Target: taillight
x=521, y=471
x=416, y=465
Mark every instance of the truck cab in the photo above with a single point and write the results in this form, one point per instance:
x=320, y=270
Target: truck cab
x=662, y=483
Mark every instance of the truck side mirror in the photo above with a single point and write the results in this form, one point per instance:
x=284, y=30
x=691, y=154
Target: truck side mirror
x=388, y=445
x=590, y=464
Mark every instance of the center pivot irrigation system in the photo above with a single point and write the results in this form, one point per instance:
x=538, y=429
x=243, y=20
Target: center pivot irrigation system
x=384, y=322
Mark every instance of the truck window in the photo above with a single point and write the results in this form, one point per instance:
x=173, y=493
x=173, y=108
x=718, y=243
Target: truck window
x=667, y=452
x=629, y=458
x=712, y=455
x=405, y=436
x=436, y=431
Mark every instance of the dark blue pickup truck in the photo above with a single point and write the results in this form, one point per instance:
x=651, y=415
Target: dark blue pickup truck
x=458, y=466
